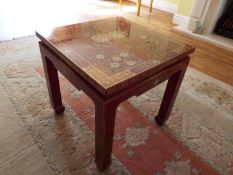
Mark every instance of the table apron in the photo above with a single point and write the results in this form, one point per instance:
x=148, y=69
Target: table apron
x=70, y=74
x=149, y=83
x=133, y=90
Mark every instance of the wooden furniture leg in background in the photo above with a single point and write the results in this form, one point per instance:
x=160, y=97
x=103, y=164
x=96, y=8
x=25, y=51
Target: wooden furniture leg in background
x=104, y=130
x=120, y=2
x=151, y=4
x=139, y=2
x=170, y=94
x=53, y=85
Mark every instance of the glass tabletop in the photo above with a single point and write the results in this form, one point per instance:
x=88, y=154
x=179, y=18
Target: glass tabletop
x=115, y=52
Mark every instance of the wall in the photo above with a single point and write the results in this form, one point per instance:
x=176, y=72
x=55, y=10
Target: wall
x=185, y=7
x=181, y=7
x=175, y=2
x=183, y=13
x=164, y=5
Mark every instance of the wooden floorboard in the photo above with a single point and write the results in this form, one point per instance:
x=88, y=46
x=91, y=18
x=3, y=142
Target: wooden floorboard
x=209, y=59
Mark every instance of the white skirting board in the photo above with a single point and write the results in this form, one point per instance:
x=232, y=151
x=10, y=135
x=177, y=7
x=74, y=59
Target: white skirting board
x=160, y=5
x=181, y=20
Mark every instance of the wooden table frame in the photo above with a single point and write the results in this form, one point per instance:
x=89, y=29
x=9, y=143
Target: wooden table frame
x=105, y=107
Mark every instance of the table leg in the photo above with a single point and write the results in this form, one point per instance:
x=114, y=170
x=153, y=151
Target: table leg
x=139, y=6
x=104, y=131
x=120, y=2
x=151, y=4
x=53, y=85
x=169, y=97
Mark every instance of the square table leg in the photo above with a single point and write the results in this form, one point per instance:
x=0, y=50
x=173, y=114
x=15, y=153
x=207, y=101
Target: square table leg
x=53, y=85
x=169, y=97
x=104, y=131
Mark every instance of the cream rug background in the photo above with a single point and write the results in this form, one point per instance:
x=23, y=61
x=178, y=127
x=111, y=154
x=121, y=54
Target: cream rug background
x=34, y=141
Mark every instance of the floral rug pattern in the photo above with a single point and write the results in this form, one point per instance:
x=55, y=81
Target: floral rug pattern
x=201, y=120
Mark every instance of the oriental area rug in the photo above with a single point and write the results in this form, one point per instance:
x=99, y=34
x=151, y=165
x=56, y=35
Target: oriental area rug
x=196, y=140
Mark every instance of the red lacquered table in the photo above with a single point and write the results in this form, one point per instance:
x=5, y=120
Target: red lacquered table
x=112, y=60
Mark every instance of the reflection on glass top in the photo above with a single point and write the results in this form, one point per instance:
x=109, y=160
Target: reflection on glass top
x=114, y=50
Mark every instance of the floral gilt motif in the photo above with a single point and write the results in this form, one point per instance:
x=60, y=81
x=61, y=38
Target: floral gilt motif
x=106, y=37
